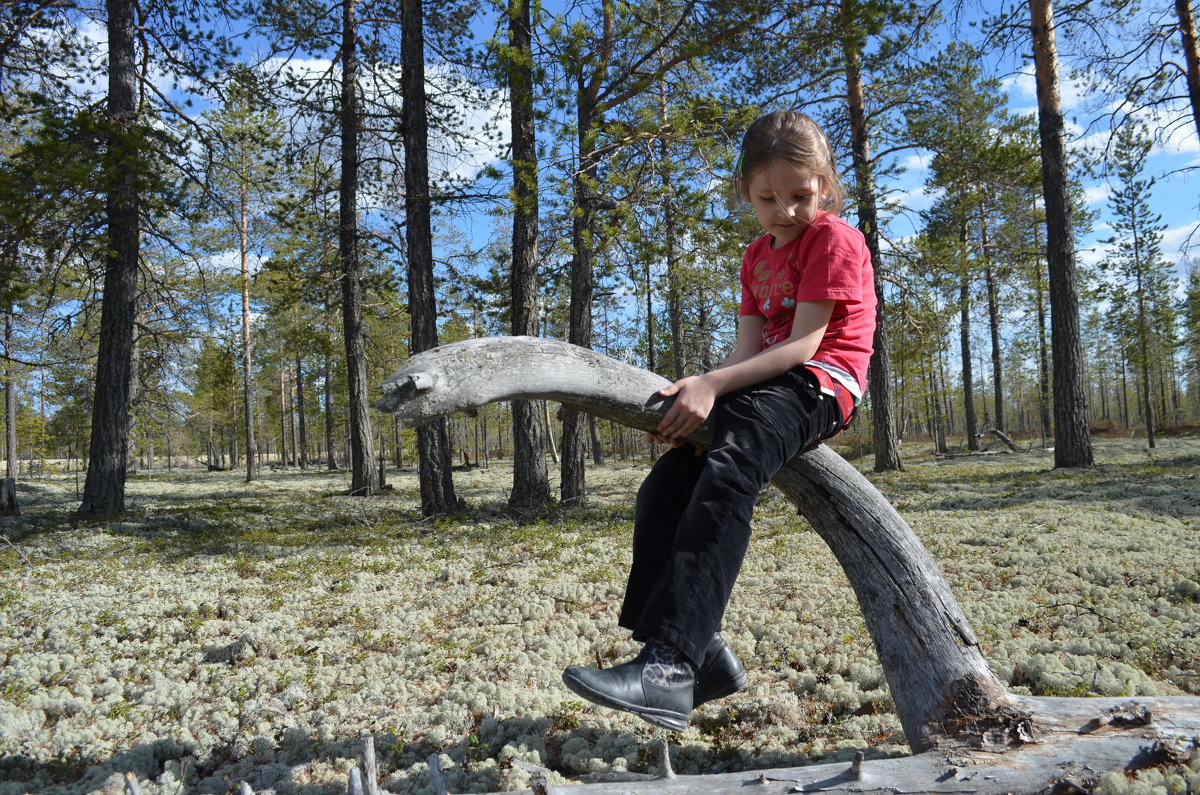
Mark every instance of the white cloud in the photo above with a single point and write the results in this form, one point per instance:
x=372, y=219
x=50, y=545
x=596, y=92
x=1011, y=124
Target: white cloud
x=1022, y=91
x=1097, y=193
x=230, y=262
x=459, y=149
x=1094, y=254
x=1175, y=240
x=917, y=162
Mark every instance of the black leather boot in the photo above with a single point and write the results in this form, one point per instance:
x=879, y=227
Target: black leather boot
x=656, y=686
x=720, y=675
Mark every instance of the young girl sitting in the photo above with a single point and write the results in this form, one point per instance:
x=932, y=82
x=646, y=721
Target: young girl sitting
x=804, y=340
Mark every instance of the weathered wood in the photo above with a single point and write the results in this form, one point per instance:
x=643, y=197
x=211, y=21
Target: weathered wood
x=436, y=781
x=1064, y=754
x=369, y=768
x=939, y=680
x=1003, y=437
x=971, y=735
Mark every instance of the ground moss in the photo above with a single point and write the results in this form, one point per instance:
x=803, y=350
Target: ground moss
x=257, y=628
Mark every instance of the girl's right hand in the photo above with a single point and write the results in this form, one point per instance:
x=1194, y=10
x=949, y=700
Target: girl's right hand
x=694, y=399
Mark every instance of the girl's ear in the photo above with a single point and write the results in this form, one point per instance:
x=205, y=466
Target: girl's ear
x=826, y=192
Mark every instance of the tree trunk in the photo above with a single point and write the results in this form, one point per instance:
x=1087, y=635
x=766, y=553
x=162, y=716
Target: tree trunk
x=104, y=489
x=549, y=430
x=284, y=421
x=993, y=303
x=572, y=473
x=10, y=402
x=594, y=438
x=573, y=487
x=330, y=456
x=1077, y=741
x=879, y=376
x=937, y=418
x=531, y=485
x=364, y=479
x=434, y=466
x=1144, y=353
x=1072, y=444
x=8, y=485
x=291, y=414
x=968, y=373
x=1043, y=354
x=302, y=431
x=1191, y=55
x=247, y=360
x=670, y=235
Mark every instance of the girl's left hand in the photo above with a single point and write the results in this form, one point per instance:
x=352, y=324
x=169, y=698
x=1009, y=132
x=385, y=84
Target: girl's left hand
x=694, y=399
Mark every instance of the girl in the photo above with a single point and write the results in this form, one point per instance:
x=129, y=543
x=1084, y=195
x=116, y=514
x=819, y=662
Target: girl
x=804, y=340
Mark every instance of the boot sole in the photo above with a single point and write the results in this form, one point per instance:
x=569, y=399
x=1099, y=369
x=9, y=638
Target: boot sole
x=663, y=718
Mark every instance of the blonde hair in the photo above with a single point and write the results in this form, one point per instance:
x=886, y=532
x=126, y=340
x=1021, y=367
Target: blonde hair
x=791, y=137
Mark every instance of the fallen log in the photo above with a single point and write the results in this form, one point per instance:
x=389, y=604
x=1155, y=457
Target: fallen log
x=1002, y=436
x=946, y=697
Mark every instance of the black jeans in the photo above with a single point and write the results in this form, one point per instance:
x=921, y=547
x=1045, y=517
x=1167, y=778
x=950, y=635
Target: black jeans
x=692, y=523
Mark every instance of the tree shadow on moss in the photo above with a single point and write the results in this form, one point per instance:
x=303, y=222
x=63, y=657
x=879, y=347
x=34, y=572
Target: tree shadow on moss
x=1161, y=487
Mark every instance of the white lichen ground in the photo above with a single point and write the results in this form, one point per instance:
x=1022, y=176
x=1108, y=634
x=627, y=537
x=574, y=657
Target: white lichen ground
x=224, y=632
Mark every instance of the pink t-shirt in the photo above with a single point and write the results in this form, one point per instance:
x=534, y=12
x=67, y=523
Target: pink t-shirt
x=829, y=261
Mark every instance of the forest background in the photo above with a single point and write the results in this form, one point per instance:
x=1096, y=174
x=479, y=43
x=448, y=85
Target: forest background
x=224, y=224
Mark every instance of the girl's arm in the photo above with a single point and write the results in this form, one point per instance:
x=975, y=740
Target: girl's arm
x=695, y=395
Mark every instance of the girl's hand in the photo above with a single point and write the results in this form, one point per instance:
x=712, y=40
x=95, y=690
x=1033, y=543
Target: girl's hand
x=694, y=399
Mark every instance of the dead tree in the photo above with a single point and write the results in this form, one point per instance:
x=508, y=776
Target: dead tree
x=953, y=709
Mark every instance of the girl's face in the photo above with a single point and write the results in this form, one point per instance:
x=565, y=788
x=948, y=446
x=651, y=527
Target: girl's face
x=785, y=200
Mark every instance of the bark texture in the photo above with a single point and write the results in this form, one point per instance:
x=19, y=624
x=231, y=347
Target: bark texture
x=434, y=465
x=1191, y=55
x=879, y=377
x=531, y=485
x=1072, y=444
x=247, y=353
x=364, y=479
x=104, y=489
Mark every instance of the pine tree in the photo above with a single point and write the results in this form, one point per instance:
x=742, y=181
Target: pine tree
x=531, y=486
x=1073, y=445
x=433, y=446
x=1191, y=337
x=1139, y=278
x=246, y=141
x=104, y=489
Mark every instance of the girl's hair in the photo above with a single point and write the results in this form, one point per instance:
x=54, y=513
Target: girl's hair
x=790, y=137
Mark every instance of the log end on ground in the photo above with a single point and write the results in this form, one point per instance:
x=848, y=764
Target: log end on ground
x=977, y=713
x=1060, y=757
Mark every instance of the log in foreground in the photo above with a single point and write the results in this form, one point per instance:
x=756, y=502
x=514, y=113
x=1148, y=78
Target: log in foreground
x=947, y=698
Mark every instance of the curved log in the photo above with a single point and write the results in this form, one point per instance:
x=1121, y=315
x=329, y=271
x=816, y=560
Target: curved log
x=939, y=680
x=947, y=698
